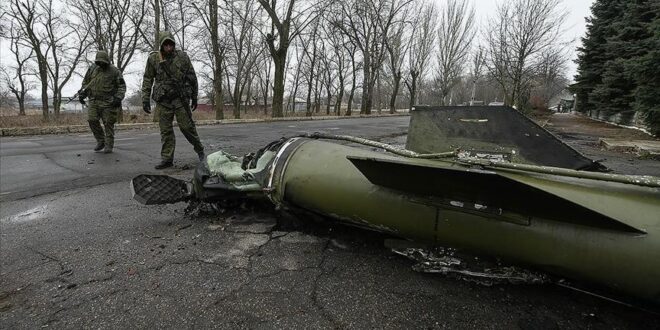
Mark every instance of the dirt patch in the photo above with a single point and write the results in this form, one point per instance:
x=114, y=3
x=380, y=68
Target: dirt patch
x=585, y=135
x=570, y=125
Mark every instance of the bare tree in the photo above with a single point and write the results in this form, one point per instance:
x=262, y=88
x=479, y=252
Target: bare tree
x=339, y=60
x=477, y=70
x=217, y=59
x=517, y=35
x=351, y=48
x=288, y=21
x=242, y=53
x=367, y=23
x=178, y=16
x=150, y=26
x=310, y=49
x=116, y=24
x=214, y=53
x=67, y=43
x=264, y=75
x=456, y=30
x=329, y=72
x=5, y=18
x=296, y=79
x=396, y=49
x=422, y=41
x=346, y=56
x=58, y=45
x=27, y=17
x=550, y=78
x=17, y=82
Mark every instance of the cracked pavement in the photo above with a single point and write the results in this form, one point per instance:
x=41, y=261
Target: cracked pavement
x=77, y=252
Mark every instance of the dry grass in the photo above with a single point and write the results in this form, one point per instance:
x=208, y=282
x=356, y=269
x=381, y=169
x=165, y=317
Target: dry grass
x=33, y=118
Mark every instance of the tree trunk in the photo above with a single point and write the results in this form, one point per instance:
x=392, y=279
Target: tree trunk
x=317, y=98
x=379, y=90
x=248, y=96
x=310, y=85
x=237, y=101
x=366, y=84
x=327, y=107
x=351, y=95
x=21, y=106
x=44, y=90
x=369, y=102
x=57, y=99
x=266, y=100
x=349, y=105
x=218, y=99
x=395, y=91
x=296, y=85
x=265, y=92
x=413, y=89
x=340, y=96
x=278, y=85
x=156, y=24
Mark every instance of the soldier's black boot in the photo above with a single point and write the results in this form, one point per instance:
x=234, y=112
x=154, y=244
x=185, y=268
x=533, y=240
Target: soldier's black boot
x=99, y=146
x=107, y=150
x=164, y=164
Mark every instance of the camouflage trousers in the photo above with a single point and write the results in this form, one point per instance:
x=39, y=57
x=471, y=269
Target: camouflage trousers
x=102, y=111
x=166, y=113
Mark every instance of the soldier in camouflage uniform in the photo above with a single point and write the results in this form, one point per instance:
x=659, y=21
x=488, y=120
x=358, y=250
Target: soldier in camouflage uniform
x=105, y=87
x=175, y=91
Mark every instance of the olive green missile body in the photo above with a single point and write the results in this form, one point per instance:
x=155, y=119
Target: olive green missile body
x=594, y=227
x=598, y=230
x=521, y=195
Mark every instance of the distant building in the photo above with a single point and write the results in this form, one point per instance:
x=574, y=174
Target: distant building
x=204, y=104
x=297, y=105
x=72, y=106
x=66, y=107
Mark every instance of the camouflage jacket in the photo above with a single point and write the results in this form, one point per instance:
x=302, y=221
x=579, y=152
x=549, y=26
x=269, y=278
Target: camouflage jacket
x=171, y=76
x=104, y=84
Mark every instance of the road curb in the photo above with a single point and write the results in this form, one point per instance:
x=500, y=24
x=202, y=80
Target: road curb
x=22, y=131
x=646, y=149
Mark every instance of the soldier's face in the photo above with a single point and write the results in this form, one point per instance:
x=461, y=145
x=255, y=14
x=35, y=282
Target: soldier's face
x=168, y=47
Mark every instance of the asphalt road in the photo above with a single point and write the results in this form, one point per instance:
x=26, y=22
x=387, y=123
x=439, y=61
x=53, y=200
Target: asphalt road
x=76, y=251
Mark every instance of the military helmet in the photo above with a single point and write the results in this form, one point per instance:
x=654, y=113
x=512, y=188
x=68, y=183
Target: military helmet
x=102, y=57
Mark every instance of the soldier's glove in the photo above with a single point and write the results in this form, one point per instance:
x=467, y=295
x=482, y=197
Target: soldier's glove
x=193, y=104
x=116, y=102
x=81, y=96
x=146, y=106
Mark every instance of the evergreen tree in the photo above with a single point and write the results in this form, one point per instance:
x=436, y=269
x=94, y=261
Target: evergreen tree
x=593, y=55
x=646, y=70
x=618, y=63
x=616, y=93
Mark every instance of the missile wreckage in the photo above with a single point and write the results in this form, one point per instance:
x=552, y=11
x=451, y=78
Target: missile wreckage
x=483, y=179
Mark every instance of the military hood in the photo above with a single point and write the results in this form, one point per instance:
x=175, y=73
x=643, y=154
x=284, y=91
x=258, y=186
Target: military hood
x=102, y=57
x=164, y=36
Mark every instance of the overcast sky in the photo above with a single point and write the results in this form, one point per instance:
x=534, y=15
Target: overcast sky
x=577, y=10
x=575, y=29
